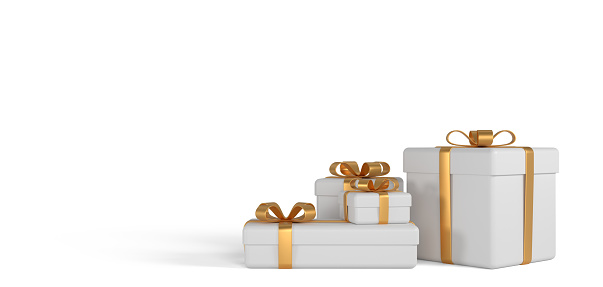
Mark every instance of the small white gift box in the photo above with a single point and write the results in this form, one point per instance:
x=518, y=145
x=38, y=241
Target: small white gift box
x=329, y=199
x=318, y=244
x=363, y=207
x=328, y=190
x=489, y=223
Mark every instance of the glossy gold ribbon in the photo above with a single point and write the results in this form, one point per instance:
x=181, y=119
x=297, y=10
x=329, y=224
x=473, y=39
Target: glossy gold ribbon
x=380, y=186
x=350, y=169
x=285, y=238
x=482, y=139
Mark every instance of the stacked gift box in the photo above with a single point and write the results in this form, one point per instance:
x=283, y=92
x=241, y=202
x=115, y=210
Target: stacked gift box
x=479, y=204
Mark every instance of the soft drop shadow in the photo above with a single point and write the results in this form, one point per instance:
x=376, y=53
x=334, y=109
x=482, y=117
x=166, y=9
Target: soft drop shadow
x=222, y=250
x=202, y=259
x=431, y=263
x=188, y=249
x=439, y=264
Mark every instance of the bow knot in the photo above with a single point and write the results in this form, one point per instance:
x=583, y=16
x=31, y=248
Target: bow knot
x=350, y=169
x=263, y=212
x=481, y=138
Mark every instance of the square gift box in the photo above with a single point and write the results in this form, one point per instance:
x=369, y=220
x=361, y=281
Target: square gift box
x=483, y=194
x=329, y=197
x=316, y=244
x=364, y=207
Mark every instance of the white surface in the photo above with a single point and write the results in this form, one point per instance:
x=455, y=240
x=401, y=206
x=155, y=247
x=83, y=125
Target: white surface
x=363, y=207
x=481, y=161
x=329, y=233
x=487, y=211
x=371, y=199
x=335, y=256
x=328, y=193
x=334, y=245
x=134, y=134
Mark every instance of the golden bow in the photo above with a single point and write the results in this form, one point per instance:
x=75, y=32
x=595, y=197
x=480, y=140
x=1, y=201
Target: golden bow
x=285, y=237
x=350, y=169
x=263, y=212
x=380, y=186
x=481, y=138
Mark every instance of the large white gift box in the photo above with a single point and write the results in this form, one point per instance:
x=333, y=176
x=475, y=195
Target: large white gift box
x=487, y=187
x=318, y=244
x=329, y=198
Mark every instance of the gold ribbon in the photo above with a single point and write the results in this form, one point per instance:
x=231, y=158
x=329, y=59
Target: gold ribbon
x=380, y=186
x=350, y=169
x=359, y=180
x=285, y=238
x=483, y=139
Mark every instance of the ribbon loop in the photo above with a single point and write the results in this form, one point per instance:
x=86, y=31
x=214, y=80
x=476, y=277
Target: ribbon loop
x=263, y=212
x=350, y=169
x=307, y=208
x=481, y=138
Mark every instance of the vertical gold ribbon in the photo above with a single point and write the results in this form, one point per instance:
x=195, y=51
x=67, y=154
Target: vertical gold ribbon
x=445, y=207
x=528, y=207
x=483, y=138
x=380, y=187
x=285, y=245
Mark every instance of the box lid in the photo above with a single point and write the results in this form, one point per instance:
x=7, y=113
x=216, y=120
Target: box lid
x=371, y=199
x=333, y=186
x=481, y=161
x=316, y=233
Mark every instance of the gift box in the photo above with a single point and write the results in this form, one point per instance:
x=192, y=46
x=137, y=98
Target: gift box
x=334, y=245
x=328, y=190
x=367, y=205
x=483, y=205
x=279, y=242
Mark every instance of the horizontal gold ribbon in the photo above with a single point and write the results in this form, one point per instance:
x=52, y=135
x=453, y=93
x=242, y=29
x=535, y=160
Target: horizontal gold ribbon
x=480, y=139
x=380, y=186
x=285, y=226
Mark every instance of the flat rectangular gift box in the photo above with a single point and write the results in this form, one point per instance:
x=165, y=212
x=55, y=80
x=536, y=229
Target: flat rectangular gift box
x=333, y=245
x=328, y=201
x=487, y=204
x=363, y=207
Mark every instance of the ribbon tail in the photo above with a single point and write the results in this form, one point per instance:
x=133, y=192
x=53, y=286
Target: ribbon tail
x=345, y=205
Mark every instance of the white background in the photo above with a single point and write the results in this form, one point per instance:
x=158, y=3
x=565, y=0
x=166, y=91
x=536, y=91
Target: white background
x=136, y=137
